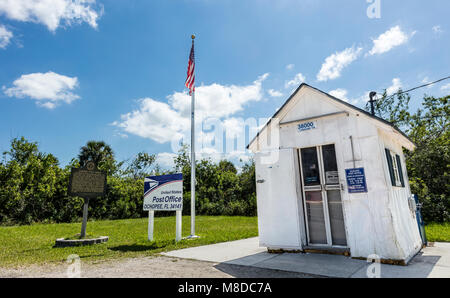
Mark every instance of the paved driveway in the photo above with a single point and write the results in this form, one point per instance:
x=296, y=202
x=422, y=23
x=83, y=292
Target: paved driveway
x=431, y=262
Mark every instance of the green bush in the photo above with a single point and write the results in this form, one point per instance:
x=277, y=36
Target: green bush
x=435, y=208
x=33, y=187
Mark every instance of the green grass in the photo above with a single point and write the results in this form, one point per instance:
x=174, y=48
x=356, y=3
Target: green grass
x=438, y=232
x=33, y=244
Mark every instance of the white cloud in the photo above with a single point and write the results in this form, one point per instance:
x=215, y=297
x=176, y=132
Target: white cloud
x=48, y=105
x=388, y=40
x=217, y=100
x=5, y=37
x=165, y=122
x=239, y=156
x=396, y=85
x=437, y=29
x=233, y=126
x=154, y=120
x=363, y=98
x=296, y=81
x=334, y=64
x=340, y=94
x=274, y=93
x=445, y=87
x=51, y=12
x=166, y=159
x=426, y=80
x=120, y=135
x=290, y=66
x=236, y=134
x=48, y=89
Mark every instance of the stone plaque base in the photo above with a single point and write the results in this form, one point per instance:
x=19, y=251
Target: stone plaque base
x=61, y=242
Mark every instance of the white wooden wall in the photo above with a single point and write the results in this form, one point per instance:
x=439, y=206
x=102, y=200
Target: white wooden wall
x=378, y=222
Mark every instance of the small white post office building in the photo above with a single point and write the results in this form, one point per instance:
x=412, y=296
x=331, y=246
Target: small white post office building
x=332, y=177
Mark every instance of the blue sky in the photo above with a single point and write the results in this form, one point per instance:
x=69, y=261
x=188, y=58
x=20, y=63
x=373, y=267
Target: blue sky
x=114, y=70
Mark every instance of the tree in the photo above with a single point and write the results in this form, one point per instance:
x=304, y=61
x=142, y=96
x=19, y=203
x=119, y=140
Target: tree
x=183, y=165
x=428, y=165
x=22, y=150
x=140, y=166
x=394, y=108
x=182, y=160
x=227, y=166
x=101, y=154
x=33, y=186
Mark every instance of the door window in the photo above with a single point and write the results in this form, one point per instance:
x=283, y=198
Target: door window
x=336, y=217
x=330, y=165
x=310, y=166
x=316, y=220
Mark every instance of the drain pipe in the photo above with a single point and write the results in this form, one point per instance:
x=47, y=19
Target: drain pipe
x=353, y=152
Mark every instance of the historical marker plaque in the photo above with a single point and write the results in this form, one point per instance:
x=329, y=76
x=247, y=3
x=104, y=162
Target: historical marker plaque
x=87, y=182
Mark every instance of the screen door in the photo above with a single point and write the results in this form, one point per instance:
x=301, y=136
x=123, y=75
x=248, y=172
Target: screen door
x=322, y=193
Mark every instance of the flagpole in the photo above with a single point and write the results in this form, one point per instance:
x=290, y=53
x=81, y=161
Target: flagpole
x=193, y=159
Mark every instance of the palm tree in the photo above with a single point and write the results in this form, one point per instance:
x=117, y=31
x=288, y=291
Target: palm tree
x=98, y=152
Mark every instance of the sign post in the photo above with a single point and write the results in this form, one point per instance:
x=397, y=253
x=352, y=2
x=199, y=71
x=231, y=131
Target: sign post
x=85, y=215
x=87, y=182
x=151, y=216
x=163, y=193
x=178, y=228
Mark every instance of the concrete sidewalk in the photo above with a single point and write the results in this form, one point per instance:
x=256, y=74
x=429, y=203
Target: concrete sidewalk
x=431, y=262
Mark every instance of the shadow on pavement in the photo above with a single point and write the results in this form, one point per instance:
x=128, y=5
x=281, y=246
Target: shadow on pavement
x=240, y=271
x=317, y=265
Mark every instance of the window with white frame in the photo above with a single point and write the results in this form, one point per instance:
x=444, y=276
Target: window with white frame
x=395, y=168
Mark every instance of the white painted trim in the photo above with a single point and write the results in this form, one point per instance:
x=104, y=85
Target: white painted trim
x=314, y=118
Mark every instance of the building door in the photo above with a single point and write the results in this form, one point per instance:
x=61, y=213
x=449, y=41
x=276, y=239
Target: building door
x=322, y=196
x=277, y=198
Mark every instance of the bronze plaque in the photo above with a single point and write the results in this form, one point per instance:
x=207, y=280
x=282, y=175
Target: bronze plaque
x=87, y=182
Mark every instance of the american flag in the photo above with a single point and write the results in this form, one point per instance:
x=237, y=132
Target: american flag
x=190, y=80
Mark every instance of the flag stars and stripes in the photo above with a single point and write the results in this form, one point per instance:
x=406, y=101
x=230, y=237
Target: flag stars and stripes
x=190, y=80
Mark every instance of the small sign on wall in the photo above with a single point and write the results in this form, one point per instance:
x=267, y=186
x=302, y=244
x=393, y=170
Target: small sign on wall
x=356, y=180
x=331, y=177
x=306, y=126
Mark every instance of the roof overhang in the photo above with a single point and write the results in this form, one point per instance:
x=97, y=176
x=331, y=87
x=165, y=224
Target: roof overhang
x=406, y=141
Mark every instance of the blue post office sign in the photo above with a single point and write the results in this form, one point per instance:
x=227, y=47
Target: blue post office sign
x=356, y=180
x=163, y=193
